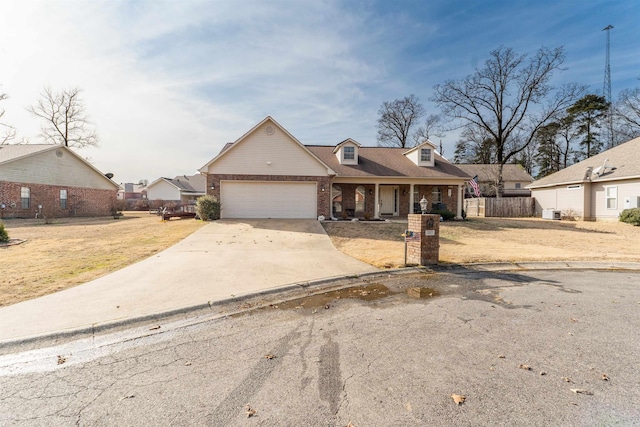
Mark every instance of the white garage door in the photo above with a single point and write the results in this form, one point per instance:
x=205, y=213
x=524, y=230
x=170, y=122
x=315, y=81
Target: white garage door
x=250, y=199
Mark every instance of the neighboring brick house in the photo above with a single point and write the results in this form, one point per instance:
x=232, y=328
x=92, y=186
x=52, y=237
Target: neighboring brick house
x=51, y=180
x=268, y=173
x=514, y=179
x=182, y=190
x=598, y=188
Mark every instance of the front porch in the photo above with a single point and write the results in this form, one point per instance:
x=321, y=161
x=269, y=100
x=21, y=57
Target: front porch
x=392, y=200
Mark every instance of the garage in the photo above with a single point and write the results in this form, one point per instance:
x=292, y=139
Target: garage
x=257, y=199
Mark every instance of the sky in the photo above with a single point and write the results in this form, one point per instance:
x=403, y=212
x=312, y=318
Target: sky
x=168, y=83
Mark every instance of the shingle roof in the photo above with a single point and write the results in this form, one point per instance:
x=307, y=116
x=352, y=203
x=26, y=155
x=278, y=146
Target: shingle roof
x=190, y=183
x=488, y=172
x=625, y=158
x=15, y=151
x=385, y=162
x=381, y=161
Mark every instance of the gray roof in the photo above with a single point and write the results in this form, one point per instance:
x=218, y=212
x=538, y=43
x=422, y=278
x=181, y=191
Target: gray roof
x=15, y=151
x=386, y=162
x=190, y=183
x=488, y=172
x=622, y=162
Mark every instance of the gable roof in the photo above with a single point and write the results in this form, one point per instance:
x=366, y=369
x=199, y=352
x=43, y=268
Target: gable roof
x=624, y=159
x=487, y=172
x=386, y=162
x=348, y=140
x=229, y=147
x=423, y=143
x=13, y=152
x=196, y=184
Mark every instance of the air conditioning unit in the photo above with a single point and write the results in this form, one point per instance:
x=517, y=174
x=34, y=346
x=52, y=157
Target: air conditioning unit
x=551, y=214
x=631, y=202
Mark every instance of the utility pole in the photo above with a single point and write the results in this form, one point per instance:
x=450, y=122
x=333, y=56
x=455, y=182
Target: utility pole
x=606, y=89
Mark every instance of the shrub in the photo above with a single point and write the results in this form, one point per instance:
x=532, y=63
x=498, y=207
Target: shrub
x=208, y=208
x=631, y=216
x=445, y=214
x=4, y=236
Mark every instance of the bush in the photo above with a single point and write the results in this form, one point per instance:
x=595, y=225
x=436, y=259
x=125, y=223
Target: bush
x=208, y=208
x=4, y=236
x=445, y=214
x=631, y=216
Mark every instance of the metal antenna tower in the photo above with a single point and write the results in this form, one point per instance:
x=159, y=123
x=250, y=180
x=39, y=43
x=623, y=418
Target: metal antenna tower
x=606, y=88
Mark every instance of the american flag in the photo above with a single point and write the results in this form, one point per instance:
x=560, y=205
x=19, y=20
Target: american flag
x=475, y=186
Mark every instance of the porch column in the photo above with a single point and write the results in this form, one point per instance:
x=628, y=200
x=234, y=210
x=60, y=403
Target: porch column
x=459, y=207
x=411, y=201
x=376, y=213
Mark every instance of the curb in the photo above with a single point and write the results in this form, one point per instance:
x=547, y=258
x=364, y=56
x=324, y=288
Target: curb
x=481, y=267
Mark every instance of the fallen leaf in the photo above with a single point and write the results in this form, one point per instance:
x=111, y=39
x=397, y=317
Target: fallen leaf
x=525, y=367
x=459, y=399
x=566, y=379
x=502, y=356
x=187, y=363
x=605, y=377
x=350, y=424
x=154, y=328
x=269, y=356
x=61, y=360
x=543, y=373
x=573, y=319
x=250, y=411
x=326, y=307
x=581, y=391
x=128, y=396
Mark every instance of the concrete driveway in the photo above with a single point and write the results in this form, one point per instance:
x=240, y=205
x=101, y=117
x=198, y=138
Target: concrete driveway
x=222, y=260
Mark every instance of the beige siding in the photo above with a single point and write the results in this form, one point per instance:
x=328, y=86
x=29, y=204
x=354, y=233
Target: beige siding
x=626, y=188
x=545, y=199
x=47, y=168
x=560, y=198
x=263, y=154
x=162, y=190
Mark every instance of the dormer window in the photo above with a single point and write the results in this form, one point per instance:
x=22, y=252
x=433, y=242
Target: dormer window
x=349, y=153
x=425, y=155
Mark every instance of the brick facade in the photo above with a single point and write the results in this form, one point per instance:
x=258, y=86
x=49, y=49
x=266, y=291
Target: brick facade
x=423, y=249
x=323, y=199
x=80, y=201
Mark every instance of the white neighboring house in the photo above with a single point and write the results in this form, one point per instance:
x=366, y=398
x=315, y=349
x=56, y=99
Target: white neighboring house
x=183, y=189
x=598, y=188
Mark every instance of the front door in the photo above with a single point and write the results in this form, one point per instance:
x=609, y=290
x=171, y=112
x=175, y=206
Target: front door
x=389, y=200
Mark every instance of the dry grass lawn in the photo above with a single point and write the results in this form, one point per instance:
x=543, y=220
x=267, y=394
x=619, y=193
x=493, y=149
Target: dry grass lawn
x=71, y=251
x=493, y=240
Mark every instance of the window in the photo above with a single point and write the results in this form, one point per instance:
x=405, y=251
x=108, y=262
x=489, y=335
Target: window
x=360, y=196
x=349, y=153
x=574, y=187
x=25, y=197
x=425, y=154
x=336, y=199
x=517, y=185
x=63, y=199
x=436, y=195
x=612, y=197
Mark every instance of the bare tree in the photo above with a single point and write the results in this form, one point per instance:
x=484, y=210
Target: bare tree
x=627, y=113
x=66, y=121
x=431, y=128
x=9, y=131
x=510, y=98
x=396, y=120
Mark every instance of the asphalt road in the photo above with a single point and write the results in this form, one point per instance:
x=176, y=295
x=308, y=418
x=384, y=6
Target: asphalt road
x=524, y=348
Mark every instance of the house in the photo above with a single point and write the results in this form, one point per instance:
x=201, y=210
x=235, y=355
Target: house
x=51, y=180
x=515, y=179
x=598, y=188
x=268, y=173
x=133, y=194
x=183, y=190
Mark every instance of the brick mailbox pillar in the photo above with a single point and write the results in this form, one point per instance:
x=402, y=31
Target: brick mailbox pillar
x=423, y=242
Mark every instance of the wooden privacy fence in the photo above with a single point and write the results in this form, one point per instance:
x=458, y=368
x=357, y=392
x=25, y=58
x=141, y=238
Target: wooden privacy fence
x=506, y=207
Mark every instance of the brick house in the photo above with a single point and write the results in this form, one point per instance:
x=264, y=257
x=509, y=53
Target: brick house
x=183, y=190
x=268, y=173
x=51, y=180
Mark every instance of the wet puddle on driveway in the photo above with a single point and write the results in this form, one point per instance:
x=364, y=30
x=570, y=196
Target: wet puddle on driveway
x=370, y=292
